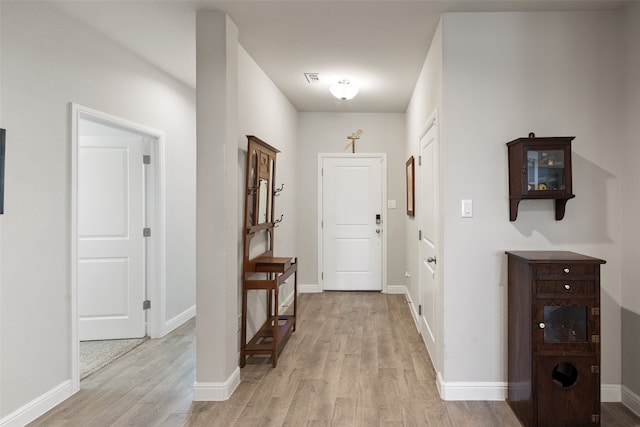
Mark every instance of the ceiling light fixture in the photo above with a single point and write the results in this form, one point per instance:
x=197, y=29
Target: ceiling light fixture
x=343, y=90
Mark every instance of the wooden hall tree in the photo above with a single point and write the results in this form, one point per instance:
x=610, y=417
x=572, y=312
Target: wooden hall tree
x=260, y=269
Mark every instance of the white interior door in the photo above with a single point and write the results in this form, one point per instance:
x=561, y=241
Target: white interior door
x=427, y=221
x=111, y=252
x=352, y=223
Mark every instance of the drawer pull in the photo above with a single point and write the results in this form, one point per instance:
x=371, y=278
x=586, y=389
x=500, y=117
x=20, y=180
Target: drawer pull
x=541, y=325
x=566, y=270
x=567, y=286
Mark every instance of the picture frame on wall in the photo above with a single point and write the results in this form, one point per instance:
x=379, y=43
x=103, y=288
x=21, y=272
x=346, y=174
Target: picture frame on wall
x=411, y=202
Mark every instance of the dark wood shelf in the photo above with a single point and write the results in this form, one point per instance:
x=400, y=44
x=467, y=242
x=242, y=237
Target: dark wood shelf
x=263, y=342
x=535, y=169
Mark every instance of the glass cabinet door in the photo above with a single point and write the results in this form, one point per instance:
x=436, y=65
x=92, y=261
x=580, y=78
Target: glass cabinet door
x=545, y=170
x=565, y=324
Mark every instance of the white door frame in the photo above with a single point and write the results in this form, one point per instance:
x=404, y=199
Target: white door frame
x=383, y=159
x=435, y=335
x=156, y=250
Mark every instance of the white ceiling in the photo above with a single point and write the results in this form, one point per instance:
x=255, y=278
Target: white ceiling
x=379, y=45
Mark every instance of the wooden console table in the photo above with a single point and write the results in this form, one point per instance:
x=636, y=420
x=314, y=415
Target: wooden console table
x=275, y=331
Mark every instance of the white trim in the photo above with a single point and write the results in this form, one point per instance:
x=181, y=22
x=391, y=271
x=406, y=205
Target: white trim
x=288, y=301
x=610, y=393
x=427, y=332
x=312, y=288
x=471, y=390
x=630, y=400
x=157, y=247
x=216, y=392
x=39, y=406
x=179, y=320
x=396, y=289
x=383, y=158
x=414, y=314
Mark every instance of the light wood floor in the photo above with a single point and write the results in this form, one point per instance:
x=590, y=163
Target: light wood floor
x=356, y=359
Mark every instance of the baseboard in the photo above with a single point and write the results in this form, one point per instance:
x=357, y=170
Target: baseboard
x=39, y=406
x=630, y=400
x=412, y=308
x=396, y=289
x=207, y=392
x=178, y=321
x=309, y=289
x=286, y=303
x=471, y=390
x=610, y=393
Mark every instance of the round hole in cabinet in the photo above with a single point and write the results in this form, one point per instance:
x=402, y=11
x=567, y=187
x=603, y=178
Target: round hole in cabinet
x=564, y=375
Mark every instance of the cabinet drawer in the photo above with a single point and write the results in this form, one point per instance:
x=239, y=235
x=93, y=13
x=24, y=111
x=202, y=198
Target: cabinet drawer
x=560, y=288
x=567, y=270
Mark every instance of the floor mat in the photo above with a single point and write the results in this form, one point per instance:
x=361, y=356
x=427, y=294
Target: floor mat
x=98, y=354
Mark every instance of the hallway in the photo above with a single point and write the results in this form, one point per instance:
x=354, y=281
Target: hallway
x=356, y=359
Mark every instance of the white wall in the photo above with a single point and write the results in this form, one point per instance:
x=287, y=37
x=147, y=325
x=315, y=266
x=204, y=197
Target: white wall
x=630, y=206
x=265, y=112
x=425, y=101
x=327, y=133
x=505, y=75
x=49, y=60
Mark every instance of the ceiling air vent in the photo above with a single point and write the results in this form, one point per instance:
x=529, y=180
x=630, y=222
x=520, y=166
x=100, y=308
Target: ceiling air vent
x=312, y=77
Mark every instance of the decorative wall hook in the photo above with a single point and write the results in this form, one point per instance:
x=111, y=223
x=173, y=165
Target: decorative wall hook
x=278, y=221
x=277, y=191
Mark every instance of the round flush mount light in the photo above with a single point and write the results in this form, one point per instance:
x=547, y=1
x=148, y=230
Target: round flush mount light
x=344, y=90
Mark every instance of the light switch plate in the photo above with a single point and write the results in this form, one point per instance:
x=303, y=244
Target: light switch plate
x=391, y=204
x=467, y=208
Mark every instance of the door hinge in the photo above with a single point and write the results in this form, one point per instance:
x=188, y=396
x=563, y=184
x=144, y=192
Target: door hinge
x=322, y=276
x=321, y=171
x=595, y=369
x=595, y=418
x=146, y=232
x=146, y=159
x=146, y=304
x=419, y=160
x=595, y=311
x=595, y=339
x=419, y=234
x=419, y=309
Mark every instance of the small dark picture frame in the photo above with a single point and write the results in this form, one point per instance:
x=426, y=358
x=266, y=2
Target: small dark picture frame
x=411, y=201
x=2, y=150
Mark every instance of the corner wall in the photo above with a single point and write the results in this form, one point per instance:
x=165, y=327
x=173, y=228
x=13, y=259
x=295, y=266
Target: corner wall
x=327, y=133
x=505, y=75
x=265, y=112
x=630, y=206
x=495, y=77
x=425, y=101
x=49, y=60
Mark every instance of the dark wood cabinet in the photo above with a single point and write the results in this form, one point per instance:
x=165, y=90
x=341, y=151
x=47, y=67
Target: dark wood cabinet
x=261, y=271
x=554, y=338
x=540, y=168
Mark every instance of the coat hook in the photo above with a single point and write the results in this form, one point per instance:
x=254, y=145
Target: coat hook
x=277, y=191
x=277, y=221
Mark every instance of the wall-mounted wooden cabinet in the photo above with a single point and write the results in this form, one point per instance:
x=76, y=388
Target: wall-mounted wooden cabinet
x=540, y=168
x=554, y=338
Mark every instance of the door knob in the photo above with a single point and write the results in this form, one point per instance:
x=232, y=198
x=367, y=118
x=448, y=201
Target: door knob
x=378, y=230
x=432, y=259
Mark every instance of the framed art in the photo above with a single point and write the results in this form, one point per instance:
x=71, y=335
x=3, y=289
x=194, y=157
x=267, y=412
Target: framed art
x=410, y=187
